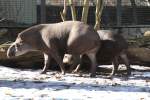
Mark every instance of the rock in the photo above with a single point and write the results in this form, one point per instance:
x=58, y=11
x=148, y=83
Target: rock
x=147, y=33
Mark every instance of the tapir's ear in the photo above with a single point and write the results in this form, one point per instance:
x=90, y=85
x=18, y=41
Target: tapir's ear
x=18, y=40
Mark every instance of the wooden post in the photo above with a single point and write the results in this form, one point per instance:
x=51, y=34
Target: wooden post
x=43, y=11
x=72, y=10
x=85, y=11
x=118, y=12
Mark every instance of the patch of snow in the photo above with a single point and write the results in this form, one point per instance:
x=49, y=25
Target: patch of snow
x=27, y=84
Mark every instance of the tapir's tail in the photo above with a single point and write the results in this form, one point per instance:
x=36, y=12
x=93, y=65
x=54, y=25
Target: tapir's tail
x=120, y=30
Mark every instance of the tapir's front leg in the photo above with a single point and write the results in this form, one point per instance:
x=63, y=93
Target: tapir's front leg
x=47, y=59
x=58, y=59
x=126, y=62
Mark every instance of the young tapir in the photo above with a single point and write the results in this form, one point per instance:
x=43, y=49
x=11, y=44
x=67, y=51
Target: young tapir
x=113, y=46
x=72, y=37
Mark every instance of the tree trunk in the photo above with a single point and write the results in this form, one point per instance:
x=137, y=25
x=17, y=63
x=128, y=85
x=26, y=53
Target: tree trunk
x=72, y=10
x=85, y=11
x=63, y=14
x=98, y=13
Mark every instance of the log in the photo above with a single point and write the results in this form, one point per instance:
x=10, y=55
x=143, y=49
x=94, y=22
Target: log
x=139, y=55
x=22, y=60
x=140, y=42
x=138, y=52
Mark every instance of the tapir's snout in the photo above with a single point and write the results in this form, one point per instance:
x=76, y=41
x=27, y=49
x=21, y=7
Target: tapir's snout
x=68, y=59
x=11, y=51
x=18, y=48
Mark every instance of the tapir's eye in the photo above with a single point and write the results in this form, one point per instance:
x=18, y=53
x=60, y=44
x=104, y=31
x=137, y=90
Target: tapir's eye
x=65, y=56
x=17, y=45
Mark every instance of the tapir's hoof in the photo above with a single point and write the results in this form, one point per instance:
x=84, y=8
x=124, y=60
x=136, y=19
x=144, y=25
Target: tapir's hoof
x=63, y=73
x=128, y=73
x=74, y=71
x=110, y=76
x=43, y=72
x=92, y=75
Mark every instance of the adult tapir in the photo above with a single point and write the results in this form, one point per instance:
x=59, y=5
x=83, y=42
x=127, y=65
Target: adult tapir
x=72, y=37
x=113, y=46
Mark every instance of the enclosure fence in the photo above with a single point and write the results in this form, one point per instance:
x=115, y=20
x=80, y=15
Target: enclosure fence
x=18, y=12
x=15, y=13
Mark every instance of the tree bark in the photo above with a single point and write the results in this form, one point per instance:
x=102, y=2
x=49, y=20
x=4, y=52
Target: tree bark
x=85, y=11
x=98, y=13
x=72, y=10
x=63, y=14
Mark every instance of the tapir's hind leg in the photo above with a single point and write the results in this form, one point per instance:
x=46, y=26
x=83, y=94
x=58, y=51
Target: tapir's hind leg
x=115, y=66
x=92, y=56
x=76, y=62
x=47, y=59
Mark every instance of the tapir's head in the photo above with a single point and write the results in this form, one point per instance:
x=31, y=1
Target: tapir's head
x=19, y=47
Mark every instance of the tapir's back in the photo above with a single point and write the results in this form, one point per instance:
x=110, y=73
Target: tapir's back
x=76, y=35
